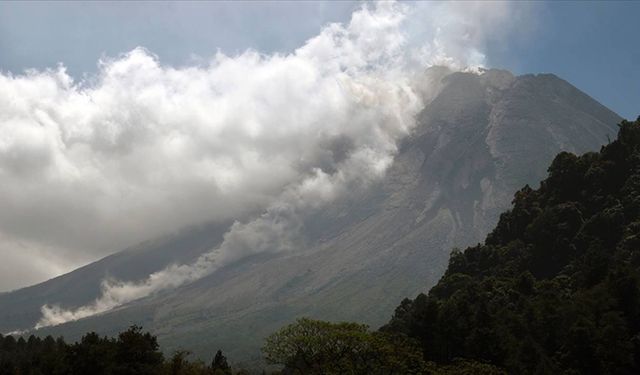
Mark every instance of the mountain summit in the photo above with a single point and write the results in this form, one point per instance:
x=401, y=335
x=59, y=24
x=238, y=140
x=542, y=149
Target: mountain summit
x=480, y=137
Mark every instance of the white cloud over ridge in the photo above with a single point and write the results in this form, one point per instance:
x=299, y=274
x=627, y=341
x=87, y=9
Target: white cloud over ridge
x=142, y=148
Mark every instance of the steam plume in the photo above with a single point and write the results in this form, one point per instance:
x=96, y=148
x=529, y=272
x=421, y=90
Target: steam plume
x=143, y=148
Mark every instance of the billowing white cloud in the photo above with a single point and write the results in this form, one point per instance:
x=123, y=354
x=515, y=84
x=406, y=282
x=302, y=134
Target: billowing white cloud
x=142, y=148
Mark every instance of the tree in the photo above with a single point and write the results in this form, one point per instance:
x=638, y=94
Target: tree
x=317, y=347
x=219, y=366
x=463, y=367
x=93, y=355
x=137, y=353
x=133, y=352
x=180, y=365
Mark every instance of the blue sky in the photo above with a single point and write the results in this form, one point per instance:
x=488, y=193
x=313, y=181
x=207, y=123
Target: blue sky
x=594, y=45
x=41, y=34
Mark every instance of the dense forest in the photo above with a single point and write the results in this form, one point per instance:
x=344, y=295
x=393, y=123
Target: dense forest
x=132, y=352
x=554, y=289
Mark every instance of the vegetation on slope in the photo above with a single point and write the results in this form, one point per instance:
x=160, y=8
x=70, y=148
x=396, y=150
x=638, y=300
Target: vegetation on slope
x=555, y=287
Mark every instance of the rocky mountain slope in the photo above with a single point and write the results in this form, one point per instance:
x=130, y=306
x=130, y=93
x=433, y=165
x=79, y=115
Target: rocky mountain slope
x=481, y=138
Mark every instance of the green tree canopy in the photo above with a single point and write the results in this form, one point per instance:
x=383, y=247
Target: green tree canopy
x=317, y=347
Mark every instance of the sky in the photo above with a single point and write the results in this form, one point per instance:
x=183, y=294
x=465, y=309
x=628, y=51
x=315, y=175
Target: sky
x=122, y=121
x=593, y=45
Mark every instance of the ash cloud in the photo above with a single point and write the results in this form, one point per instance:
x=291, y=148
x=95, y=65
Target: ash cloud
x=142, y=148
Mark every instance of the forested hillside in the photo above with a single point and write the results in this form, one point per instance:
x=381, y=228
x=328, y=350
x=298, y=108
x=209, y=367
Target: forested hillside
x=555, y=287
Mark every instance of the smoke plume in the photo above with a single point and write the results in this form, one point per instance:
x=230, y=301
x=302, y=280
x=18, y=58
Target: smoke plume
x=142, y=148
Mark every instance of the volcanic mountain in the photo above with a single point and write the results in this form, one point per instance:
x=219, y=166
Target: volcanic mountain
x=480, y=137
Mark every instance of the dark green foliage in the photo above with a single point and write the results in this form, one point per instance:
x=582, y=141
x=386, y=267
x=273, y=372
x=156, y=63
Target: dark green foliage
x=93, y=354
x=555, y=288
x=134, y=352
x=33, y=356
x=219, y=366
x=137, y=353
x=180, y=365
x=316, y=347
x=463, y=367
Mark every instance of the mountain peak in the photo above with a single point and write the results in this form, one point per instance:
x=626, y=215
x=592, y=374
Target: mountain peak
x=497, y=78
